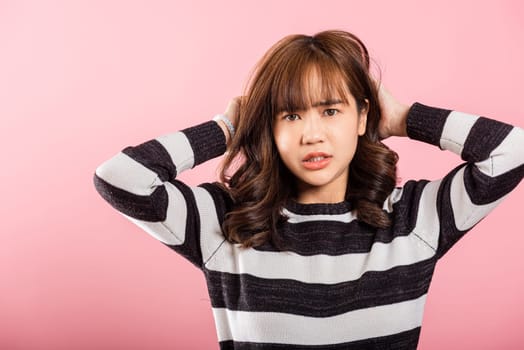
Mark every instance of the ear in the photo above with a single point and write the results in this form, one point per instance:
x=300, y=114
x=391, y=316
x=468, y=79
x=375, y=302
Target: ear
x=363, y=118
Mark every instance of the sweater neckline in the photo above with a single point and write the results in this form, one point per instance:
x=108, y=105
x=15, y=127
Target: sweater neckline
x=318, y=208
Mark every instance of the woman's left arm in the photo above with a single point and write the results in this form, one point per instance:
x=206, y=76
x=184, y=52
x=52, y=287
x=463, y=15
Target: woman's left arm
x=493, y=152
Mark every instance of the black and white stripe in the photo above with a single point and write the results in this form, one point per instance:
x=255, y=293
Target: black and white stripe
x=140, y=182
x=400, y=341
x=374, y=288
x=289, y=328
x=340, y=284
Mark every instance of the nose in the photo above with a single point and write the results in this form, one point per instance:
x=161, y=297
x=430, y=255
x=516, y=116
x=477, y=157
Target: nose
x=313, y=131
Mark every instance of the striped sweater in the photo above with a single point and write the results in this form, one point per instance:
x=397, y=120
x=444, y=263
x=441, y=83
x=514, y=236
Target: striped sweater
x=340, y=284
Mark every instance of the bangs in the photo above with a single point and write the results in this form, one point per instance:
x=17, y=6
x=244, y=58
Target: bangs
x=303, y=83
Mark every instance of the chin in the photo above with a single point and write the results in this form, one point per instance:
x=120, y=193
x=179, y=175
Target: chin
x=315, y=182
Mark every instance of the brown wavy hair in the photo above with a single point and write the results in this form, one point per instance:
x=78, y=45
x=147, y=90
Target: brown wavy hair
x=252, y=171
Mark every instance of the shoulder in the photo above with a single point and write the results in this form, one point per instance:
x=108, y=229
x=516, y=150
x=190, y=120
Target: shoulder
x=403, y=204
x=406, y=195
x=220, y=196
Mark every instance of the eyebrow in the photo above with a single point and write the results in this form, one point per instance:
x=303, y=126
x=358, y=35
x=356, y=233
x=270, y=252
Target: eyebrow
x=327, y=103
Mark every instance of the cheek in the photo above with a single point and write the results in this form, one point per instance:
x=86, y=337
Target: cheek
x=347, y=136
x=283, y=141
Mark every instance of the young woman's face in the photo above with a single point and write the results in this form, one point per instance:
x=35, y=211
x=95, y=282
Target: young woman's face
x=318, y=144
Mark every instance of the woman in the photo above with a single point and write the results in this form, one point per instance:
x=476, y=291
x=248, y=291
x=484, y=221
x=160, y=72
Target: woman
x=306, y=242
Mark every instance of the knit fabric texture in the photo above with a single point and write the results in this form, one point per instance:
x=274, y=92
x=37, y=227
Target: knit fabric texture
x=340, y=284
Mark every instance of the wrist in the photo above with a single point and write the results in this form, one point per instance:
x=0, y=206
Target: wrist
x=225, y=121
x=227, y=127
x=223, y=126
x=400, y=128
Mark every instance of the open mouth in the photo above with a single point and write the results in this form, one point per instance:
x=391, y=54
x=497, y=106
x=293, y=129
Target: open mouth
x=315, y=157
x=316, y=160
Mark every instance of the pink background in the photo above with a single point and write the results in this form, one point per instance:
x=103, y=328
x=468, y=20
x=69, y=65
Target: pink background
x=80, y=80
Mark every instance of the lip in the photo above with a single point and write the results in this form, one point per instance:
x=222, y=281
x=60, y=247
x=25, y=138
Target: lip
x=316, y=165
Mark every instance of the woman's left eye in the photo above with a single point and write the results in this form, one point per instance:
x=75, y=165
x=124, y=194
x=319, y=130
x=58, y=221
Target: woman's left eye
x=331, y=112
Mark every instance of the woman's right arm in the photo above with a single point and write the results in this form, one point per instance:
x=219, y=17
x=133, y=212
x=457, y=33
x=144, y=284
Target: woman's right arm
x=140, y=183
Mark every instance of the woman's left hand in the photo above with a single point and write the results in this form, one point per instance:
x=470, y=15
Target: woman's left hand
x=393, y=116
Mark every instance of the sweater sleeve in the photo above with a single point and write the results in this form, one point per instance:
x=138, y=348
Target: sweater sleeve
x=140, y=183
x=493, y=152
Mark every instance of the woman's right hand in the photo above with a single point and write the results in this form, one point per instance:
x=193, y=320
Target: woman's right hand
x=232, y=113
x=233, y=110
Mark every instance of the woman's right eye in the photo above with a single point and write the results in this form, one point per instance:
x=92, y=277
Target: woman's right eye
x=291, y=117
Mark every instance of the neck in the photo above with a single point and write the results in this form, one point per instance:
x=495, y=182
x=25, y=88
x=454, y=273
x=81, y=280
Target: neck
x=318, y=195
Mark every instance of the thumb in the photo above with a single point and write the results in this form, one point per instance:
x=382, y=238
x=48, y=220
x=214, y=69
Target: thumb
x=233, y=109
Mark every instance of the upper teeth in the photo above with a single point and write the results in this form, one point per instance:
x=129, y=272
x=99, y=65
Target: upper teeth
x=315, y=159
